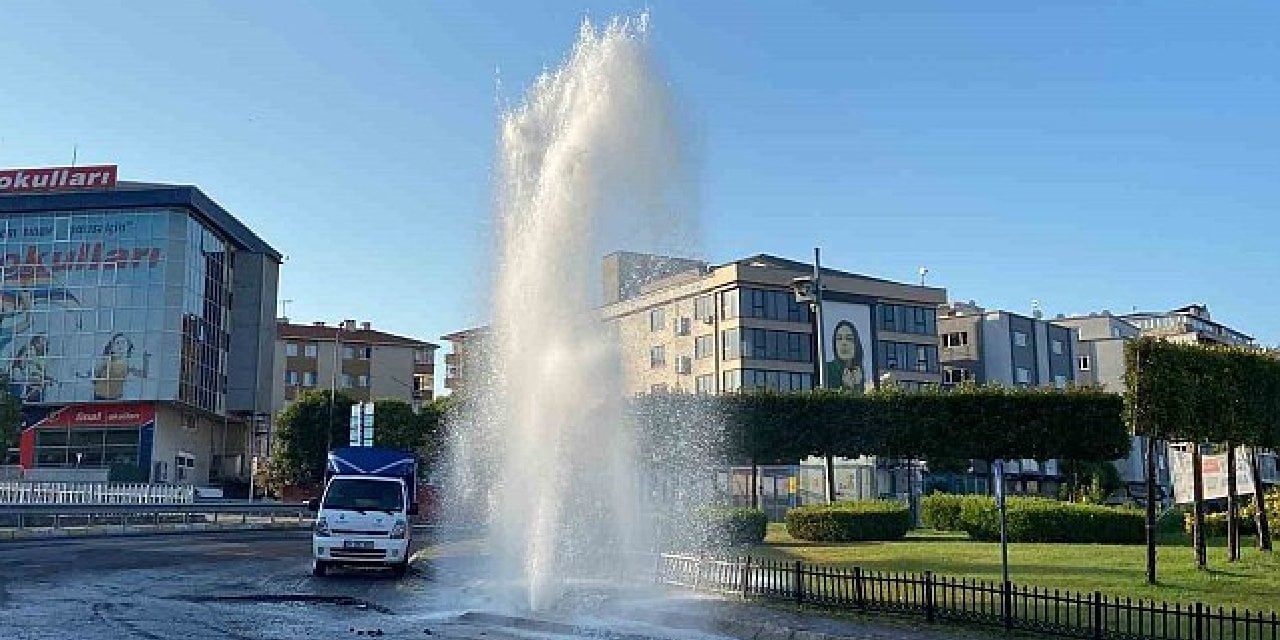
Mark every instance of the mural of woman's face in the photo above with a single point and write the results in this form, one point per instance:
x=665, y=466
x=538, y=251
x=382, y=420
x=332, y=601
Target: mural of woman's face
x=119, y=346
x=845, y=344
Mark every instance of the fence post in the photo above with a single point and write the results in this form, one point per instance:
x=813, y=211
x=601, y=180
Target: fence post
x=746, y=578
x=1007, y=602
x=1199, y=631
x=1097, y=615
x=928, y=596
x=799, y=582
x=858, y=595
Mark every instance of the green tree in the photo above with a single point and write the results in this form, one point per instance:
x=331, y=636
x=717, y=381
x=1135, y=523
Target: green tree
x=10, y=417
x=305, y=431
x=396, y=426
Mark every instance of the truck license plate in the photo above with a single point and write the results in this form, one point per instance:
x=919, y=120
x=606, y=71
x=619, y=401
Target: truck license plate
x=358, y=544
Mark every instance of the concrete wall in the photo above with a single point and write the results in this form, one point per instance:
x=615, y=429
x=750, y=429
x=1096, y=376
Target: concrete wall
x=180, y=431
x=1022, y=357
x=252, y=354
x=997, y=349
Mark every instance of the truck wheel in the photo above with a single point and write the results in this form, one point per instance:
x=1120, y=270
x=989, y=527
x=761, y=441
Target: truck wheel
x=319, y=568
x=400, y=569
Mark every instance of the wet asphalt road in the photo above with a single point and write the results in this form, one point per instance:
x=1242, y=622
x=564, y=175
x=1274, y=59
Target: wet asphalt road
x=227, y=585
x=255, y=585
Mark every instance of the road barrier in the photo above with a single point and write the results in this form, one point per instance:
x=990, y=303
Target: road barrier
x=20, y=492
x=57, y=517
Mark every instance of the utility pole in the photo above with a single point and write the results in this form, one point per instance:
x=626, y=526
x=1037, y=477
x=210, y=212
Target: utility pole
x=828, y=461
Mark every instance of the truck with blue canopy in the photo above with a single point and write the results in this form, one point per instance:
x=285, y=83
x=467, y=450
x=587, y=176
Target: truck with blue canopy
x=363, y=517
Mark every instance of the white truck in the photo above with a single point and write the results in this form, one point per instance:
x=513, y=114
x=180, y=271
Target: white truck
x=363, y=518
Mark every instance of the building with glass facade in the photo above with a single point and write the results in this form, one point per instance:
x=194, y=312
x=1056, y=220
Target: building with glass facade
x=137, y=327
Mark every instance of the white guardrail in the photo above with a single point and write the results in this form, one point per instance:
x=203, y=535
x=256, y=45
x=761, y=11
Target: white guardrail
x=21, y=492
x=125, y=516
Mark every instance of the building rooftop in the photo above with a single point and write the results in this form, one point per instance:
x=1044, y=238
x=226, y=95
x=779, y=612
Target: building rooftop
x=465, y=334
x=131, y=195
x=362, y=333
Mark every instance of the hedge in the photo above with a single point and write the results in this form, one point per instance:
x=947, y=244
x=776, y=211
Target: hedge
x=1044, y=520
x=1215, y=524
x=735, y=525
x=942, y=511
x=850, y=521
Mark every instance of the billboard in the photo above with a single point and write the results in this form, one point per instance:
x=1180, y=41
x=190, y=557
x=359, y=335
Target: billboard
x=847, y=357
x=57, y=179
x=82, y=306
x=1213, y=470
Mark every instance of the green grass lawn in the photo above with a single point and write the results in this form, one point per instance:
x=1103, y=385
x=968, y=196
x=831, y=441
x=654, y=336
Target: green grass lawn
x=1115, y=570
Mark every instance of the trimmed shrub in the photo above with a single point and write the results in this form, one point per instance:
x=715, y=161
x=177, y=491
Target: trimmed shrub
x=736, y=525
x=1044, y=520
x=941, y=511
x=850, y=521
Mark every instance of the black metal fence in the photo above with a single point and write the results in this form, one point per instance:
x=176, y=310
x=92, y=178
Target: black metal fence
x=940, y=599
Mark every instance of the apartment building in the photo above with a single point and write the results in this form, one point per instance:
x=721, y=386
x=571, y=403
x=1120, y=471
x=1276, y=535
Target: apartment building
x=993, y=346
x=1191, y=323
x=463, y=358
x=356, y=358
x=1100, y=360
x=738, y=326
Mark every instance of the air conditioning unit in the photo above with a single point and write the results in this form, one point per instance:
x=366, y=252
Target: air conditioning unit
x=684, y=364
x=708, y=320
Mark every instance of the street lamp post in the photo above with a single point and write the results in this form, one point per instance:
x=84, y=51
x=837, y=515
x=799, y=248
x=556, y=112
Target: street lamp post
x=810, y=290
x=333, y=385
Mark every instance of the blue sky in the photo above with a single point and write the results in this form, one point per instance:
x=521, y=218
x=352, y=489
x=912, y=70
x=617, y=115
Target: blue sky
x=1087, y=155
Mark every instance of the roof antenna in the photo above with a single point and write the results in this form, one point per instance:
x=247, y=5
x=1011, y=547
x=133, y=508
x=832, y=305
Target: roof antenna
x=75, y=154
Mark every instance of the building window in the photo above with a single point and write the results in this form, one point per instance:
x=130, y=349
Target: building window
x=291, y=378
x=346, y=381
x=1022, y=375
x=1084, y=363
x=732, y=380
x=704, y=308
x=365, y=353
x=956, y=375
x=657, y=357
x=906, y=356
x=955, y=339
x=730, y=345
x=1019, y=339
x=704, y=346
x=291, y=349
x=729, y=304
x=1056, y=346
x=309, y=379
x=362, y=381
x=420, y=356
x=767, y=379
x=908, y=319
x=312, y=349
x=772, y=305
x=657, y=319
x=348, y=353
x=704, y=384
x=766, y=344
x=1060, y=382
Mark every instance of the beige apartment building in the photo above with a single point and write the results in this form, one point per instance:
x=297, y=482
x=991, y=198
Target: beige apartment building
x=461, y=361
x=370, y=364
x=687, y=326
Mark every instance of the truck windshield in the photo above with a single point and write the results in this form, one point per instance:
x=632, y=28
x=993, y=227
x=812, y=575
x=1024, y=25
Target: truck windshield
x=364, y=495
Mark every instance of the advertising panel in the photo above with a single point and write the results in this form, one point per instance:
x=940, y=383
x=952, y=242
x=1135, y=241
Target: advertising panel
x=57, y=179
x=847, y=356
x=77, y=298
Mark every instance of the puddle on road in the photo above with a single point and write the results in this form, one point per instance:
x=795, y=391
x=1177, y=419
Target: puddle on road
x=341, y=600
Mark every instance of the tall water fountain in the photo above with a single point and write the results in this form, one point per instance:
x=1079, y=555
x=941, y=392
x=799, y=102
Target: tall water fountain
x=592, y=161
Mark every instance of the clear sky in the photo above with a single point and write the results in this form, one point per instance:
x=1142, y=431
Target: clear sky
x=1087, y=155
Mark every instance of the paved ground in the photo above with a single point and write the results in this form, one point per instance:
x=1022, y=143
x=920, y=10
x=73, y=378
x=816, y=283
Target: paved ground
x=257, y=585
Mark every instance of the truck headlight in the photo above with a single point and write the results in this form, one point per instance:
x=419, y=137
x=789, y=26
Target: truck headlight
x=399, y=529
x=322, y=527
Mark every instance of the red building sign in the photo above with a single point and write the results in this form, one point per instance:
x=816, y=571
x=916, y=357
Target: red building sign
x=57, y=178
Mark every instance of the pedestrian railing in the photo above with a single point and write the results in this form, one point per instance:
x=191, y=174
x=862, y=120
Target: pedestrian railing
x=21, y=492
x=61, y=516
x=1093, y=616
